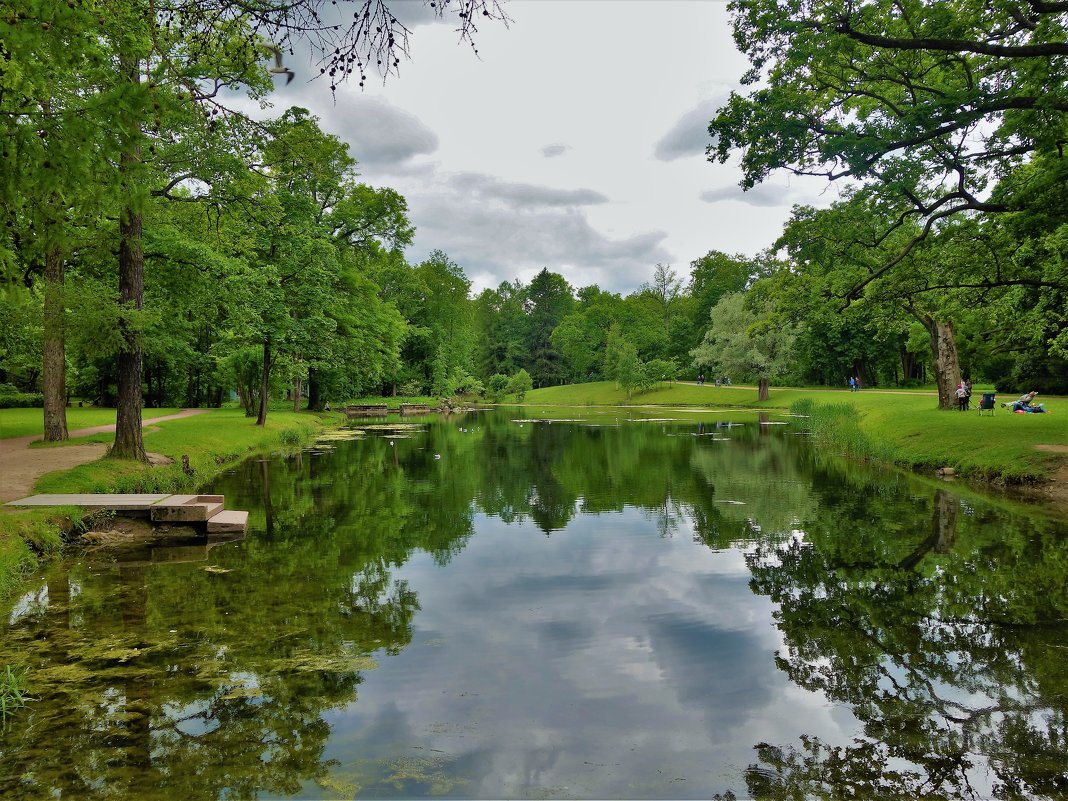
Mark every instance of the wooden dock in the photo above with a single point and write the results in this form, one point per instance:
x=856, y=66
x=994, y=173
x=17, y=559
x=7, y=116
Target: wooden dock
x=205, y=509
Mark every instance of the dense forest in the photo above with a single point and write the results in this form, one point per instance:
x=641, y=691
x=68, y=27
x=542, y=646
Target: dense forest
x=160, y=249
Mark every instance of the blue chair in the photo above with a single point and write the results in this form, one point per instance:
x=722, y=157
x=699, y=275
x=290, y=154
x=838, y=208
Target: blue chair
x=987, y=403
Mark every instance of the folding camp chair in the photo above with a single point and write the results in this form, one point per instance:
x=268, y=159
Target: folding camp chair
x=987, y=403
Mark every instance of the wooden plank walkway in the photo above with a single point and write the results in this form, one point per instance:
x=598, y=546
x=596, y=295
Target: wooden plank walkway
x=206, y=509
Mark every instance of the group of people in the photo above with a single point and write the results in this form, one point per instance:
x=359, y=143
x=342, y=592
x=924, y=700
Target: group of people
x=1026, y=404
x=854, y=383
x=964, y=394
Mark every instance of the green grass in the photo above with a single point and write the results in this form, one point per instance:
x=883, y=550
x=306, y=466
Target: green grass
x=12, y=690
x=213, y=441
x=903, y=426
x=27, y=422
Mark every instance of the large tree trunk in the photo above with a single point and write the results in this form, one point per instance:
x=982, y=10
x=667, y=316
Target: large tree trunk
x=296, y=393
x=762, y=390
x=315, y=403
x=944, y=358
x=129, y=443
x=128, y=439
x=943, y=530
x=55, y=360
x=264, y=381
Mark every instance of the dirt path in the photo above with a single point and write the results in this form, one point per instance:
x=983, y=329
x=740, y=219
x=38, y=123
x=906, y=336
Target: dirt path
x=21, y=465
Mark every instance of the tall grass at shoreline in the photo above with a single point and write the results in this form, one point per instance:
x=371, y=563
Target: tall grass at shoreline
x=12, y=691
x=836, y=426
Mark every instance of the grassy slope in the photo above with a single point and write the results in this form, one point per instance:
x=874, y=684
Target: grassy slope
x=901, y=426
x=213, y=442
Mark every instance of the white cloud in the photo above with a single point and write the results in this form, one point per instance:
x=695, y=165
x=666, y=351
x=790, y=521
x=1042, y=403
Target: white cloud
x=590, y=163
x=498, y=240
x=521, y=194
x=379, y=133
x=689, y=135
x=762, y=195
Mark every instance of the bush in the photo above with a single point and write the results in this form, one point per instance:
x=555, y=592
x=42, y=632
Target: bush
x=496, y=386
x=21, y=400
x=519, y=385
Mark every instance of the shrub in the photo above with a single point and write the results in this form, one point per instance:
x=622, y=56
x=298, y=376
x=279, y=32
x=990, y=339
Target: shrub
x=519, y=384
x=291, y=437
x=496, y=386
x=21, y=400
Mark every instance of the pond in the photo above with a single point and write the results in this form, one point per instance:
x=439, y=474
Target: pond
x=617, y=605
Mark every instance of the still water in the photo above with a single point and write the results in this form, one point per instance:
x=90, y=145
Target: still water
x=615, y=606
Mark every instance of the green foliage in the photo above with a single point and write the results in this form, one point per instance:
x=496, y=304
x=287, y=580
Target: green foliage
x=21, y=400
x=549, y=300
x=496, y=386
x=519, y=385
x=745, y=343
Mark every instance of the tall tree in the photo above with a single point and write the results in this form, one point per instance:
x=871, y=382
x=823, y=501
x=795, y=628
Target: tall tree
x=181, y=52
x=924, y=102
x=549, y=299
x=746, y=342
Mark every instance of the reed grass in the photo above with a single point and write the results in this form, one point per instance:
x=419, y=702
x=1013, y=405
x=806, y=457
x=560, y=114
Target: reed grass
x=12, y=691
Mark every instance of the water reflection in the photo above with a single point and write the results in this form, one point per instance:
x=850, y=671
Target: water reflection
x=481, y=607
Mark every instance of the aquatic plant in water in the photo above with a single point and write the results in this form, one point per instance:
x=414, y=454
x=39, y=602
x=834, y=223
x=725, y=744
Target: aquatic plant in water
x=12, y=691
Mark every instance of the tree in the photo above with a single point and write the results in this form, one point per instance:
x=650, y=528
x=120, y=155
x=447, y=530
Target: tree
x=549, y=300
x=746, y=342
x=923, y=102
x=714, y=275
x=145, y=63
x=581, y=335
x=519, y=385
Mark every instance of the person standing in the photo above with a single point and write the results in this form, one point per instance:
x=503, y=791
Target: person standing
x=852, y=384
x=962, y=398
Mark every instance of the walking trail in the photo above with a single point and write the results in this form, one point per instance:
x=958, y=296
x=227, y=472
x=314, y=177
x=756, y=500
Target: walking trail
x=21, y=465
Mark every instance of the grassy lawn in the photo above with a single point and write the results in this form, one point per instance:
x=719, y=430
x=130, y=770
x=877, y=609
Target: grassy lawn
x=902, y=426
x=24, y=422
x=213, y=442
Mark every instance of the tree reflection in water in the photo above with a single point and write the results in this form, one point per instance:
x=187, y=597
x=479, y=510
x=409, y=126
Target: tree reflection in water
x=229, y=708
x=950, y=651
x=939, y=626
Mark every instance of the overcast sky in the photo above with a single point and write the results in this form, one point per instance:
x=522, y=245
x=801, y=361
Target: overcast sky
x=575, y=141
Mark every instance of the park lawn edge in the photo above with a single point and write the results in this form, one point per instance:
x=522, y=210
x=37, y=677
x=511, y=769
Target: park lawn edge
x=29, y=537
x=904, y=428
